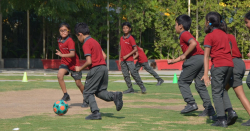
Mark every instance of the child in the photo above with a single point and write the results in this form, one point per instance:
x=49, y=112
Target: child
x=247, y=24
x=192, y=68
x=97, y=77
x=143, y=61
x=69, y=60
x=128, y=48
x=217, y=45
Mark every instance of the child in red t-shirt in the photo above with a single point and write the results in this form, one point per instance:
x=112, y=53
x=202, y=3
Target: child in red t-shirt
x=217, y=46
x=68, y=62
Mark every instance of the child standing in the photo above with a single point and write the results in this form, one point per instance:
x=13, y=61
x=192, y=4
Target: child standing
x=68, y=62
x=192, y=68
x=217, y=45
x=97, y=77
x=128, y=48
x=247, y=24
x=143, y=62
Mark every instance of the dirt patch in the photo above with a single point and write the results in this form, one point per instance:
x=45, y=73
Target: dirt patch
x=157, y=100
x=191, y=120
x=171, y=107
x=16, y=104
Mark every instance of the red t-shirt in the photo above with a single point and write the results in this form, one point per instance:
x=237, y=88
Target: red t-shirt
x=127, y=45
x=220, y=52
x=185, y=37
x=235, y=50
x=65, y=47
x=142, y=58
x=92, y=48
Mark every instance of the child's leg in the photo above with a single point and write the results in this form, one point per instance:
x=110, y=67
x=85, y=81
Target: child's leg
x=226, y=99
x=150, y=70
x=78, y=76
x=239, y=91
x=137, y=66
x=80, y=85
x=134, y=73
x=248, y=80
x=126, y=74
x=60, y=76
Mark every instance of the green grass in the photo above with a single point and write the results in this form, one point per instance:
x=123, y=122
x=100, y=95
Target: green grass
x=131, y=117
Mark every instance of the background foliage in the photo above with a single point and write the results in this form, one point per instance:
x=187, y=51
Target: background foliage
x=152, y=22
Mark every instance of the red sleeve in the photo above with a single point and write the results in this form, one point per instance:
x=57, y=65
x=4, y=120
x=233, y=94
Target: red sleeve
x=208, y=41
x=132, y=41
x=186, y=37
x=71, y=45
x=86, y=49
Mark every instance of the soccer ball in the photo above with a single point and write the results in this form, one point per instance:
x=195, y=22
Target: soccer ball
x=60, y=107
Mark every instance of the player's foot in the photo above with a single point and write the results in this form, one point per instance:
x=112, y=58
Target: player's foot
x=232, y=117
x=118, y=100
x=189, y=108
x=94, y=116
x=84, y=105
x=66, y=98
x=222, y=123
x=143, y=90
x=246, y=123
x=129, y=90
x=208, y=112
x=160, y=81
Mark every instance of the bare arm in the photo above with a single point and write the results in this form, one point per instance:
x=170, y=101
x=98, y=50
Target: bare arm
x=104, y=55
x=206, y=66
x=191, y=47
x=71, y=54
x=85, y=65
x=136, y=55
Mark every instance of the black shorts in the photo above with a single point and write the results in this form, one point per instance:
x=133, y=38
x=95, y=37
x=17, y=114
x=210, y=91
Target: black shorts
x=238, y=73
x=76, y=75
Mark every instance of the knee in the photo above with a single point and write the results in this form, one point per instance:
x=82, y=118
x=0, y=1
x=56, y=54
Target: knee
x=60, y=76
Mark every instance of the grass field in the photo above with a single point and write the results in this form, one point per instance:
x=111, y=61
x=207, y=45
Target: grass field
x=159, y=109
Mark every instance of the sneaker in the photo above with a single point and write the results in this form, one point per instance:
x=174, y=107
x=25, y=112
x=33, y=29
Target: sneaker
x=222, y=123
x=207, y=112
x=232, y=117
x=84, y=105
x=66, y=98
x=246, y=123
x=189, y=108
x=118, y=100
x=129, y=90
x=160, y=81
x=93, y=116
x=143, y=90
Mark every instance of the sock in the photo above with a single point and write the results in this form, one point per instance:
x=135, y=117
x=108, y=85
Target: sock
x=221, y=118
x=66, y=93
x=229, y=109
x=95, y=112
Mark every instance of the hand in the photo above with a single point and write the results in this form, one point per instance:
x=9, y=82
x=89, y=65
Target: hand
x=248, y=55
x=125, y=57
x=170, y=61
x=183, y=57
x=58, y=53
x=77, y=68
x=206, y=80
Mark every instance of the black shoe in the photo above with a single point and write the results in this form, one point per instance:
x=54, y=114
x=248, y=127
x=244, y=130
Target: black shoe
x=84, y=105
x=129, y=90
x=66, y=98
x=135, y=83
x=143, y=90
x=93, y=116
x=189, y=108
x=246, y=123
x=222, y=123
x=160, y=81
x=208, y=112
x=232, y=117
x=118, y=100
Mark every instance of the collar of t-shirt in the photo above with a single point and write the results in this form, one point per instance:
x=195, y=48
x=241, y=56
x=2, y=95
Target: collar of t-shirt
x=126, y=37
x=63, y=40
x=181, y=33
x=214, y=29
x=87, y=39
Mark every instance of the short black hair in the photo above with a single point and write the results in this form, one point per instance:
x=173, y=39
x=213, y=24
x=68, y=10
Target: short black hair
x=82, y=28
x=126, y=24
x=215, y=21
x=247, y=16
x=185, y=21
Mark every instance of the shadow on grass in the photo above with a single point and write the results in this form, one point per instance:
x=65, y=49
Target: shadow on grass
x=76, y=104
x=112, y=115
